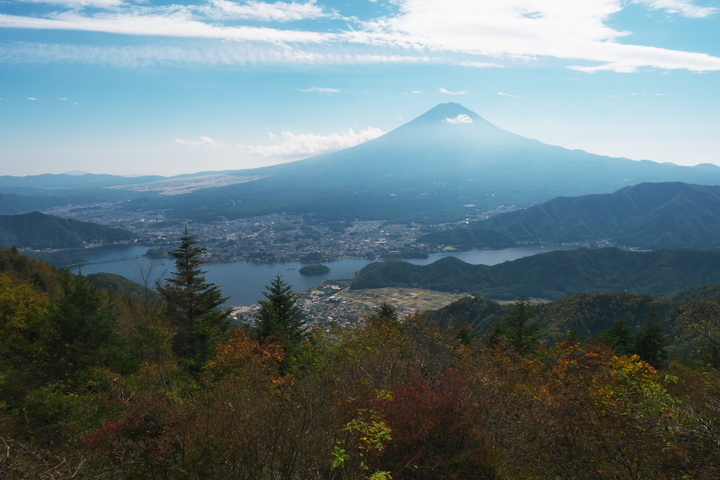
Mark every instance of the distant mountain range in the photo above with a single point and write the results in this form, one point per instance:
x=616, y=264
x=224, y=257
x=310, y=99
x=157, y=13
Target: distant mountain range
x=646, y=216
x=555, y=274
x=441, y=166
x=38, y=231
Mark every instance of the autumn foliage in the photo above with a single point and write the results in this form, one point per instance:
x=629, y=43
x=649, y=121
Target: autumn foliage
x=387, y=399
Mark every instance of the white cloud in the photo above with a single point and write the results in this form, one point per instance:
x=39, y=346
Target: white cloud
x=63, y=99
x=517, y=29
x=307, y=144
x=226, y=53
x=448, y=92
x=203, y=142
x=482, y=65
x=321, y=90
x=680, y=7
x=462, y=118
x=80, y=3
x=470, y=33
x=508, y=95
x=266, y=12
x=180, y=23
x=33, y=99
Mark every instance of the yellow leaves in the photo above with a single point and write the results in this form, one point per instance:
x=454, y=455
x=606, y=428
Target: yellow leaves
x=374, y=431
x=19, y=305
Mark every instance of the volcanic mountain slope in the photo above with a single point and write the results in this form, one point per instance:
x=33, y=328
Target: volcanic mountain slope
x=443, y=165
x=440, y=166
x=647, y=216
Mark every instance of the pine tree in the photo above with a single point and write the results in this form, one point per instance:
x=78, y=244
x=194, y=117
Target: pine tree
x=193, y=305
x=619, y=337
x=280, y=320
x=519, y=328
x=650, y=343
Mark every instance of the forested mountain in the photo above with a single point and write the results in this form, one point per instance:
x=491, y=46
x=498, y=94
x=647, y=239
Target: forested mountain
x=92, y=386
x=647, y=216
x=13, y=203
x=586, y=315
x=37, y=230
x=555, y=274
x=122, y=286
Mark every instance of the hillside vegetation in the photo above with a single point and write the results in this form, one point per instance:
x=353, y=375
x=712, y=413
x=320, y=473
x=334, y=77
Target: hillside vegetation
x=96, y=385
x=555, y=274
x=646, y=216
x=38, y=231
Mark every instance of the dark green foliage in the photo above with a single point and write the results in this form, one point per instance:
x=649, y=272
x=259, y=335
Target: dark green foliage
x=589, y=314
x=555, y=274
x=25, y=269
x=519, y=327
x=650, y=343
x=385, y=314
x=121, y=285
x=279, y=320
x=37, y=230
x=81, y=331
x=648, y=216
x=476, y=313
x=193, y=304
x=619, y=337
x=314, y=270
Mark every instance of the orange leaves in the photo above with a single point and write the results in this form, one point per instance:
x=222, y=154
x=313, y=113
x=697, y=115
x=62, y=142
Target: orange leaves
x=241, y=354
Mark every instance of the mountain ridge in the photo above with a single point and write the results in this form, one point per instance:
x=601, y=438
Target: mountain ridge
x=645, y=216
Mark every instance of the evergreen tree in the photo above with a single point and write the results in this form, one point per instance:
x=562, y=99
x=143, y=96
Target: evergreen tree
x=619, y=337
x=279, y=320
x=193, y=305
x=82, y=330
x=650, y=343
x=385, y=314
x=519, y=328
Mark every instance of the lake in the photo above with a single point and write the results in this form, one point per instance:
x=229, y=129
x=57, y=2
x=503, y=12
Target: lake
x=244, y=282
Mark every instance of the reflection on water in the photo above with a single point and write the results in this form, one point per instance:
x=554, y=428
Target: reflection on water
x=244, y=282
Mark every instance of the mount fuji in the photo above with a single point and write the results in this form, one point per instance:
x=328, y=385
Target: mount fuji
x=441, y=166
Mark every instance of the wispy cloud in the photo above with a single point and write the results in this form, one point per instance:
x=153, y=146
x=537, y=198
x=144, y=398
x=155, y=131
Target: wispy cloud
x=79, y=3
x=203, y=142
x=448, y=92
x=265, y=12
x=305, y=144
x=503, y=94
x=482, y=65
x=680, y=7
x=34, y=99
x=226, y=53
x=484, y=34
x=462, y=118
x=321, y=90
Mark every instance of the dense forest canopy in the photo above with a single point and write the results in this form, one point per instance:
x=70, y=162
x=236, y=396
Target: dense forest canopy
x=95, y=385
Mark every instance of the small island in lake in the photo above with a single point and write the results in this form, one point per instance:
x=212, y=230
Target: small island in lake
x=314, y=270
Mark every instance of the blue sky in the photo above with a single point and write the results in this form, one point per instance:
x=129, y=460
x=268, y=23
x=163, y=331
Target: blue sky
x=168, y=87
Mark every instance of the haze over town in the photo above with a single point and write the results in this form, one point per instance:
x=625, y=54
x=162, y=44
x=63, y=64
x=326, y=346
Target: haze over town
x=125, y=87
